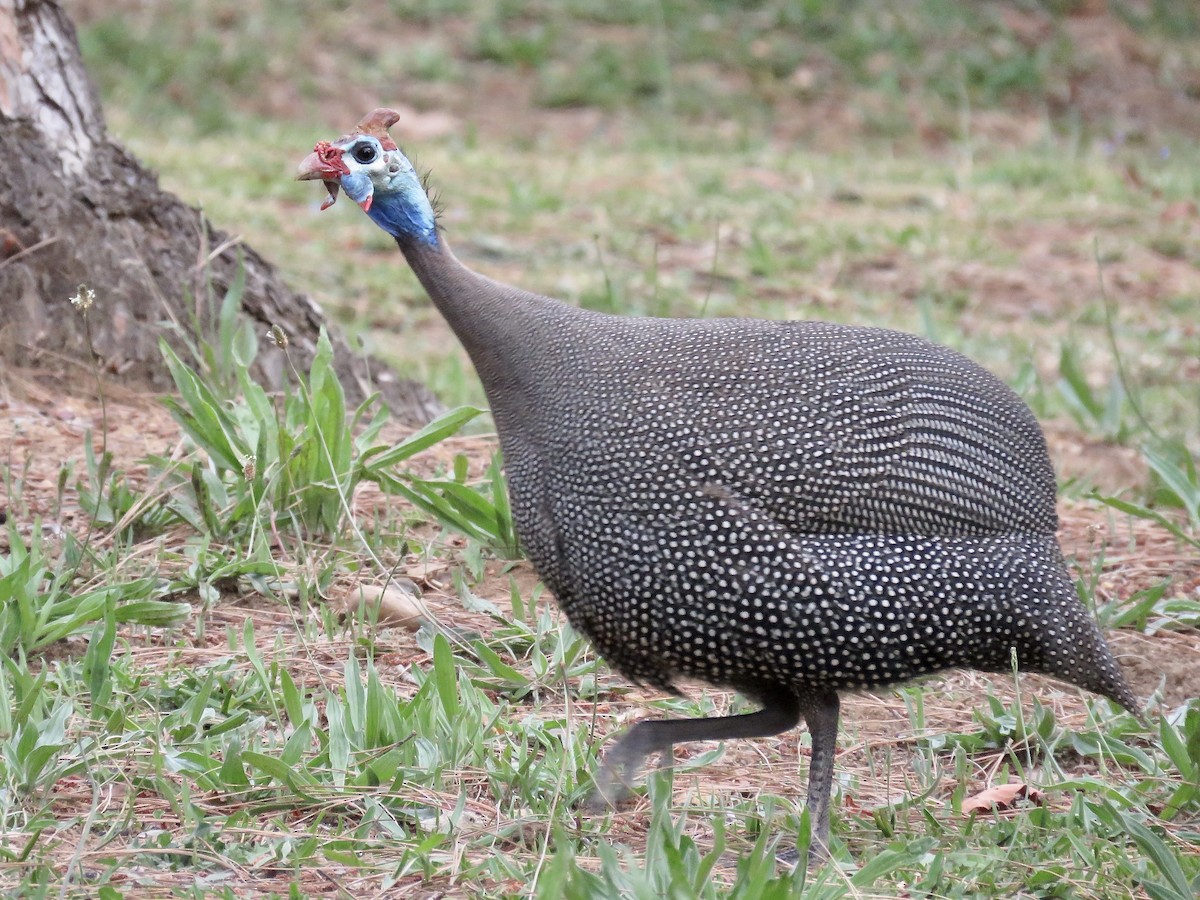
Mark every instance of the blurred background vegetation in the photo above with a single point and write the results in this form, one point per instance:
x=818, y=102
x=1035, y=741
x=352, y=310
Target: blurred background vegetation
x=957, y=168
x=692, y=70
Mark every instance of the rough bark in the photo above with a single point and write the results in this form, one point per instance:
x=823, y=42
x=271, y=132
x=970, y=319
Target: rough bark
x=75, y=208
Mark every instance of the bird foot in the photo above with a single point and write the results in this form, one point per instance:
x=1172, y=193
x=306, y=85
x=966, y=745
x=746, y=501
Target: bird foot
x=818, y=855
x=614, y=782
x=613, y=785
x=607, y=793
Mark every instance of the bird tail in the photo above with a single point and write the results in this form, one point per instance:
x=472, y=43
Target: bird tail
x=1071, y=645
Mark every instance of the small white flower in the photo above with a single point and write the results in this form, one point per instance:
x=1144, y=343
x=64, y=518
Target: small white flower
x=84, y=298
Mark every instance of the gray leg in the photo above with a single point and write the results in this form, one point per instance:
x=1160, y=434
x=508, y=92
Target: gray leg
x=820, y=712
x=781, y=711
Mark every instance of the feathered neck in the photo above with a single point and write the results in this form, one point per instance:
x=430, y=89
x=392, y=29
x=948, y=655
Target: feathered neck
x=496, y=323
x=406, y=210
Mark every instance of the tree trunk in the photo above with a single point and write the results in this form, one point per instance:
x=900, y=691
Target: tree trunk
x=77, y=208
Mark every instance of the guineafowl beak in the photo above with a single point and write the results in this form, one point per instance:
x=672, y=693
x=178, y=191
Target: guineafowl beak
x=325, y=164
x=318, y=166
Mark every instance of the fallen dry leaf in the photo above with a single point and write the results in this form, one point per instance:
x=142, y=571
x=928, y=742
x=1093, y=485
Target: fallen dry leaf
x=1001, y=797
x=397, y=605
x=1179, y=211
x=428, y=572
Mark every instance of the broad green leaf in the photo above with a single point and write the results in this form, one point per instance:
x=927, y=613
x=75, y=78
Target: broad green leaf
x=445, y=676
x=444, y=426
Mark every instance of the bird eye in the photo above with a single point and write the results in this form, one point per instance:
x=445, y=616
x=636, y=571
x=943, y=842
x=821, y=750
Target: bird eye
x=365, y=153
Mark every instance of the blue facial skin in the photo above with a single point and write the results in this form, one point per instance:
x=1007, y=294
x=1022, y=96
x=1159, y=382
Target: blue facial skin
x=399, y=204
x=358, y=186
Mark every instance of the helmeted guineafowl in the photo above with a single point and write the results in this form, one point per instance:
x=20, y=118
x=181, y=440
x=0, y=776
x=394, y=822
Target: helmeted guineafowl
x=790, y=509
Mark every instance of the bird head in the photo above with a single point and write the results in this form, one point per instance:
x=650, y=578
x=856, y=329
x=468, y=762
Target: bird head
x=376, y=175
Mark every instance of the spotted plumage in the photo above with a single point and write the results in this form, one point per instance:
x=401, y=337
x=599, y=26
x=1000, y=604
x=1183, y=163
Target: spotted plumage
x=743, y=501
x=791, y=509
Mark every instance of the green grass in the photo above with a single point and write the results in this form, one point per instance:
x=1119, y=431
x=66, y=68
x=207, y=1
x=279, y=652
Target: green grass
x=788, y=234
x=185, y=712
x=655, y=56
x=696, y=62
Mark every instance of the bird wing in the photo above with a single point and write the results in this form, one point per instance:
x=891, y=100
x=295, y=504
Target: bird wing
x=888, y=441
x=825, y=429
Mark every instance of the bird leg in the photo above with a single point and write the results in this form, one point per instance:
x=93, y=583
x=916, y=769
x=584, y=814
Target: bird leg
x=781, y=711
x=820, y=712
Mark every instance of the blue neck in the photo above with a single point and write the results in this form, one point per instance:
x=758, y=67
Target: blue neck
x=405, y=213
x=401, y=207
